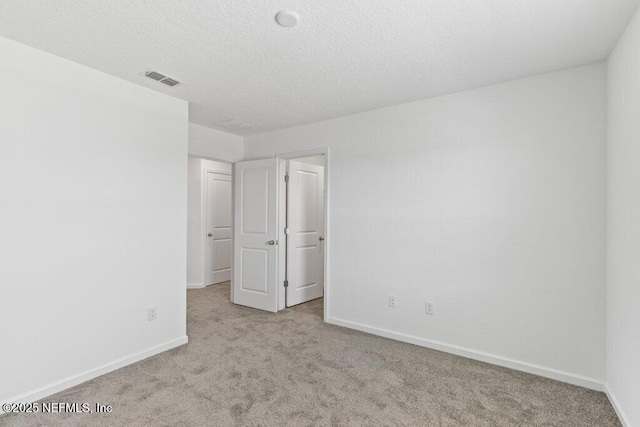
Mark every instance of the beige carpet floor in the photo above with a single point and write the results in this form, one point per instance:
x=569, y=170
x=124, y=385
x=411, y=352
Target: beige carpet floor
x=248, y=367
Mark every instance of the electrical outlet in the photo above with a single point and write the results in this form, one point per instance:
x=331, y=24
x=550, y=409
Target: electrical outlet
x=152, y=313
x=429, y=307
x=393, y=301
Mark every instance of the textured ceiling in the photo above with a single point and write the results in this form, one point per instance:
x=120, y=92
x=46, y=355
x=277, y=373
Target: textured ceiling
x=344, y=57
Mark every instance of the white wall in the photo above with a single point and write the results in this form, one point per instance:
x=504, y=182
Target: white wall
x=623, y=250
x=194, y=225
x=491, y=203
x=195, y=232
x=93, y=221
x=214, y=144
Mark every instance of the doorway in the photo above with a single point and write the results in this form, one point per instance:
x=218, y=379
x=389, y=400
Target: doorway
x=281, y=231
x=304, y=230
x=210, y=218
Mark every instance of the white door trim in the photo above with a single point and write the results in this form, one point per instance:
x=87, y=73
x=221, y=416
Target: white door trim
x=327, y=231
x=195, y=156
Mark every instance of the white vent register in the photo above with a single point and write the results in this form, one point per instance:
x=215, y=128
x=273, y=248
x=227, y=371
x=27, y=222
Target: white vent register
x=161, y=78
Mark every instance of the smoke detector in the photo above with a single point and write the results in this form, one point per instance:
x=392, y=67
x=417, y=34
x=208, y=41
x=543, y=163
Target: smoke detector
x=233, y=125
x=162, y=78
x=287, y=18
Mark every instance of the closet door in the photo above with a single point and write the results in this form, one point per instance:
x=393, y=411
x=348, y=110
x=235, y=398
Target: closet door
x=305, y=238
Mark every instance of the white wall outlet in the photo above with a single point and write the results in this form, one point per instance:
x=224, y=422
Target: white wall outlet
x=393, y=301
x=152, y=313
x=429, y=307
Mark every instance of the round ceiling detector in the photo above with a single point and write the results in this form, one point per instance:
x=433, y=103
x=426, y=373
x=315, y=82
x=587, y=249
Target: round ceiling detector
x=287, y=18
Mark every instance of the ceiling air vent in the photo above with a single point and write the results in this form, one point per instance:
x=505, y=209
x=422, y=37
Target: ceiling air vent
x=161, y=78
x=234, y=125
x=170, y=82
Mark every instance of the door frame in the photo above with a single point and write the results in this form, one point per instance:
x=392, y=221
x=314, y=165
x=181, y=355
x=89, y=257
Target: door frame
x=282, y=158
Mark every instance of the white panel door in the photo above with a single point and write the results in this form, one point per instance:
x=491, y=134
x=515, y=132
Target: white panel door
x=255, y=246
x=218, y=227
x=305, y=240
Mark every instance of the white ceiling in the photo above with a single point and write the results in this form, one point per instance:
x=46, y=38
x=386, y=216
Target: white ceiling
x=344, y=57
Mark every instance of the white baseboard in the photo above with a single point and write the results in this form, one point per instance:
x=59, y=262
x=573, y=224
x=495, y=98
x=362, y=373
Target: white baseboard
x=48, y=390
x=530, y=368
x=196, y=285
x=614, y=402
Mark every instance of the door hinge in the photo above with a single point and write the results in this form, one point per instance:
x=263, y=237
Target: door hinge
x=286, y=283
x=286, y=230
x=286, y=177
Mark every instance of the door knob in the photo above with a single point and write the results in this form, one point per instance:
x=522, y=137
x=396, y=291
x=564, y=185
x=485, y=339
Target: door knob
x=321, y=238
x=210, y=234
x=271, y=242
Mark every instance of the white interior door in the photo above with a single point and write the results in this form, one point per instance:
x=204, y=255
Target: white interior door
x=255, y=245
x=305, y=238
x=218, y=227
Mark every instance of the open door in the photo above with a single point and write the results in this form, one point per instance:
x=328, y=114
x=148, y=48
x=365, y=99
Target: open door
x=305, y=237
x=255, y=230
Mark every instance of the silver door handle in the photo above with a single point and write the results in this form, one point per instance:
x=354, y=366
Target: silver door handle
x=210, y=234
x=271, y=242
x=321, y=238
